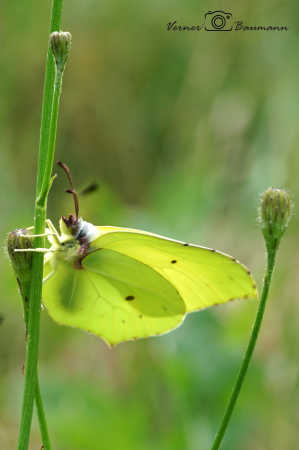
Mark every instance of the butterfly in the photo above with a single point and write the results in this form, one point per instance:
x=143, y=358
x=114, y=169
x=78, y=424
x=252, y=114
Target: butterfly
x=124, y=284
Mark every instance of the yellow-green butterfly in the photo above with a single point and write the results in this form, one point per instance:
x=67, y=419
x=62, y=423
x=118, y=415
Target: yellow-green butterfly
x=123, y=284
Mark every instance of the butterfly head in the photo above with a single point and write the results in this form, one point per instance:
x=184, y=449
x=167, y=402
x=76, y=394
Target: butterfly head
x=73, y=229
x=70, y=225
x=74, y=240
x=75, y=232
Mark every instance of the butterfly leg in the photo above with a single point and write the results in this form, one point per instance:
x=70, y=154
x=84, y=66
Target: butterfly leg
x=50, y=231
x=53, y=235
x=36, y=250
x=51, y=227
x=46, y=234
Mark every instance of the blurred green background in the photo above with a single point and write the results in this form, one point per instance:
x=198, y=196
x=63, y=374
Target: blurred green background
x=182, y=131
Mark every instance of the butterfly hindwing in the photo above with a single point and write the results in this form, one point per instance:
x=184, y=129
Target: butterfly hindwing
x=114, y=296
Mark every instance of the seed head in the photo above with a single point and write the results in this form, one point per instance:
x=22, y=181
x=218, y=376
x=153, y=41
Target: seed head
x=21, y=261
x=61, y=42
x=275, y=212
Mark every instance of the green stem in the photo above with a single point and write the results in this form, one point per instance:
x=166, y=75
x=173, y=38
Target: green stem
x=48, y=94
x=48, y=164
x=251, y=345
x=42, y=417
x=45, y=162
x=25, y=290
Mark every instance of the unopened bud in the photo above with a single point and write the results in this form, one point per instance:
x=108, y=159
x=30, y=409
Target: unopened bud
x=21, y=261
x=275, y=213
x=61, y=42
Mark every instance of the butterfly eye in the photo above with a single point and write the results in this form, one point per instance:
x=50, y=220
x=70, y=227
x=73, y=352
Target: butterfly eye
x=68, y=244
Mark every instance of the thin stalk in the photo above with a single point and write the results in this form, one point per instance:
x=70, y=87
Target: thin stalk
x=251, y=345
x=25, y=290
x=48, y=163
x=42, y=417
x=46, y=155
x=48, y=94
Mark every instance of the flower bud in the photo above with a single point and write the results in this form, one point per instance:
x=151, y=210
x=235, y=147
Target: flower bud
x=21, y=261
x=275, y=213
x=61, y=42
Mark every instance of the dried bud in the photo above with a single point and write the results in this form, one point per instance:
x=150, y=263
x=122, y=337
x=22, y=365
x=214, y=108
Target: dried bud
x=61, y=42
x=275, y=213
x=21, y=261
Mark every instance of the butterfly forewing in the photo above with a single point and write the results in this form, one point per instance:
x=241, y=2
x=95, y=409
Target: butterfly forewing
x=203, y=277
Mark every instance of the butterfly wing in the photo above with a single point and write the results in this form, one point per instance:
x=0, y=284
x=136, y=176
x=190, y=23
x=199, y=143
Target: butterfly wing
x=113, y=296
x=203, y=277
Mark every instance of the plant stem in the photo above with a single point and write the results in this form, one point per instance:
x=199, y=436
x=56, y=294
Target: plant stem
x=48, y=94
x=42, y=417
x=251, y=345
x=41, y=201
x=46, y=155
x=25, y=290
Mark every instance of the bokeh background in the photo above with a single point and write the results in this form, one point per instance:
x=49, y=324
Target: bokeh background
x=182, y=131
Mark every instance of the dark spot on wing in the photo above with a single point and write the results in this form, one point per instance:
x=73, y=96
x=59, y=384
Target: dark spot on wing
x=164, y=308
x=173, y=261
x=1, y=319
x=130, y=297
x=186, y=244
x=123, y=321
x=140, y=316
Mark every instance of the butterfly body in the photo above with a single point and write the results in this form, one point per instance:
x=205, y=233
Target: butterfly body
x=124, y=284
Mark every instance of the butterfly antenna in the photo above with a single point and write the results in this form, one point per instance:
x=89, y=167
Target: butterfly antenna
x=72, y=190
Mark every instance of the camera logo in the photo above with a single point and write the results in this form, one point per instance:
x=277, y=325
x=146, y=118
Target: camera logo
x=218, y=21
